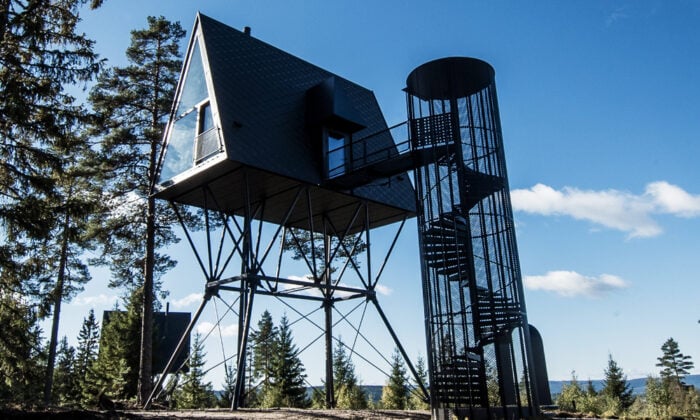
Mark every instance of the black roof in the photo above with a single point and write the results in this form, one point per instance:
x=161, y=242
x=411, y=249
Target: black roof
x=261, y=94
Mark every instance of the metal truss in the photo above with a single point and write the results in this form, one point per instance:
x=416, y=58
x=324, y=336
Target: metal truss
x=241, y=239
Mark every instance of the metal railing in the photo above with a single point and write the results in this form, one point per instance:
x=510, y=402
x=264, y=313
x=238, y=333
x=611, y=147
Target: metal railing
x=405, y=137
x=206, y=145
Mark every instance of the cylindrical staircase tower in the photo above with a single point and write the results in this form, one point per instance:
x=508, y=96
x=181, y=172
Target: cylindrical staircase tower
x=476, y=326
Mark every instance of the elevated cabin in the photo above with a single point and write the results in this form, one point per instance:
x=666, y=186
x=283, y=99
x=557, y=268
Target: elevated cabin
x=252, y=119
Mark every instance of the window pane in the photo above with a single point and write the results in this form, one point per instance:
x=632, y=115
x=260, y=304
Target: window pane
x=207, y=118
x=194, y=90
x=178, y=156
x=336, y=154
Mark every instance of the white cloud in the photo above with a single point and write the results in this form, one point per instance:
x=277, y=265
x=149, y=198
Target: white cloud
x=616, y=15
x=571, y=283
x=674, y=200
x=383, y=290
x=206, y=327
x=187, y=300
x=613, y=209
x=101, y=300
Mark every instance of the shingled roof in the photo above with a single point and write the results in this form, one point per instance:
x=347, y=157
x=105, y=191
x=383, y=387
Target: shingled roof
x=261, y=107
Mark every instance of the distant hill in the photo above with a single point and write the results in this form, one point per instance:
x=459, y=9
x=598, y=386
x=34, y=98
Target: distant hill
x=637, y=384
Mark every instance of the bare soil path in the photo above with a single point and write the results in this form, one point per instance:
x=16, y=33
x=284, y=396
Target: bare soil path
x=215, y=414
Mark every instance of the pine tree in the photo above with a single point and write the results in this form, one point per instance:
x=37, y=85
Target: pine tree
x=395, y=393
x=416, y=401
x=300, y=242
x=66, y=387
x=40, y=55
x=287, y=384
x=132, y=104
x=75, y=203
x=263, y=349
x=193, y=391
x=22, y=361
x=228, y=387
x=116, y=367
x=86, y=355
x=616, y=386
x=348, y=393
x=675, y=365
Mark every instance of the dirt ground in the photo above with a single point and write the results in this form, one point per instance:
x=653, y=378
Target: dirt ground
x=242, y=414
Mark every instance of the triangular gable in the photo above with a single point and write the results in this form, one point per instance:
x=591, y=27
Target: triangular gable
x=193, y=133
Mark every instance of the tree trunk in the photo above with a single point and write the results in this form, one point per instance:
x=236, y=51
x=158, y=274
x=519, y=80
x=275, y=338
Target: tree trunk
x=57, y=299
x=146, y=357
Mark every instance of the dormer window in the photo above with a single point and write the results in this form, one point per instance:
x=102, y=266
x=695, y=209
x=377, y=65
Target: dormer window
x=338, y=152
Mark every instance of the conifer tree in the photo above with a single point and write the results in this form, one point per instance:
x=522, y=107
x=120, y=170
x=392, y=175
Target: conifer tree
x=263, y=349
x=116, y=368
x=616, y=386
x=395, y=393
x=41, y=54
x=287, y=385
x=348, y=393
x=675, y=365
x=416, y=401
x=193, y=391
x=66, y=387
x=228, y=387
x=75, y=203
x=88, y=341
x=22, y=359
x=132, y=104
x=86, y=355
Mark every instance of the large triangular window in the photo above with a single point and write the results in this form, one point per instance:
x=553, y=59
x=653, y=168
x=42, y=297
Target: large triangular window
x=193, y=136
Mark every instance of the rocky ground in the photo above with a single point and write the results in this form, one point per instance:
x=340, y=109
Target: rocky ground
x=242, y=414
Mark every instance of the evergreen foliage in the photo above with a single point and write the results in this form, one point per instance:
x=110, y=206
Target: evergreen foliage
x=395, y=393
x=571, y=396
x=66, y=388
x=22, y=357
x=310, y=248
x=193, y=391
x=416, y=401
x=41, y=54
x=116, y=368
x=75, y=203
x=287, y=383
x=348, y=393
x=86, y=355
x=132, y=104
x=616, y=387
x=263, y=350
x=675, y=365
x=664, y=399
x=228, y=387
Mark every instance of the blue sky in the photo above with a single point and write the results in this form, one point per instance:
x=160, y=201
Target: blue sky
x=600, y=109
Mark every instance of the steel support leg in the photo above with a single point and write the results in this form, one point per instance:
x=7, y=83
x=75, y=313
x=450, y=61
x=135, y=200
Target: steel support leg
x=156, y=389
x=243, y=345
x=419, y=381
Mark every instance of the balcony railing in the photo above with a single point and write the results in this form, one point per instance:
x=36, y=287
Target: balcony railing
x=207, y=145
x=416, y=135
